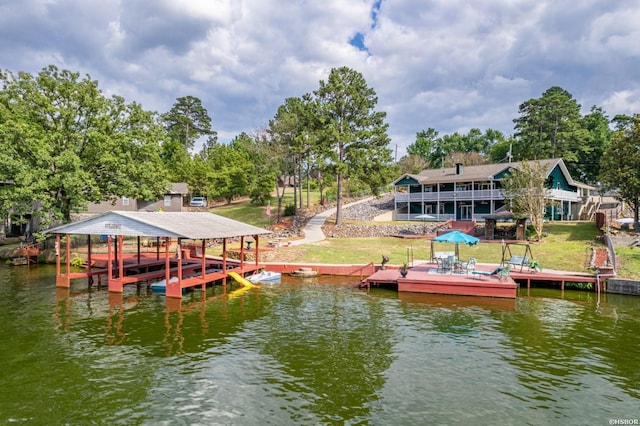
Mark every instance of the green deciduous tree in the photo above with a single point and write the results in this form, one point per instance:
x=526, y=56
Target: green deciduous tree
x=260, y=175
x=294, y=123
x=176, y=160
x=231, y=168
x=598, y=136
x=283, y=139
x=620, y=166
x=622, y=121
x=470, y=148
x=198, y=175
x=424, y=145
x=353, y=134
x=412, y=164
x=526, y=188
x=63, y=144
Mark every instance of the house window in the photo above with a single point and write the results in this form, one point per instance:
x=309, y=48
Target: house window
x=125, y=201
x=428, y=209
x=167, y=200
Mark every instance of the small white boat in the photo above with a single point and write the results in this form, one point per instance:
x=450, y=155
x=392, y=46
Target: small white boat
x=161, y=286
x=265, y=277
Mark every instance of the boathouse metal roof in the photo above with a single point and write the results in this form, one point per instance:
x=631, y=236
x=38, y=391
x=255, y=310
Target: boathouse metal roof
x=188, y=225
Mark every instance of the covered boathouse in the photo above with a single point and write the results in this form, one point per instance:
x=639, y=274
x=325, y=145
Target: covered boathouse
x=188, y=266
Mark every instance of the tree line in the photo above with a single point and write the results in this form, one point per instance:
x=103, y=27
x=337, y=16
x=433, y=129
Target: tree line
x=596, y=150
x=64, y=143
x=547, y=127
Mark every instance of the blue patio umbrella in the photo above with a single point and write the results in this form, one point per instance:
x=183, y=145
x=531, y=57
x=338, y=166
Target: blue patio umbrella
x=457, y=238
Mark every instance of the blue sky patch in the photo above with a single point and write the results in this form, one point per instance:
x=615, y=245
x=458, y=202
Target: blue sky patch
x=358, y=41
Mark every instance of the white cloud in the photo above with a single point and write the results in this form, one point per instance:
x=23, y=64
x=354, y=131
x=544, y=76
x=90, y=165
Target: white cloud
x=447, y=64
x=623, y=102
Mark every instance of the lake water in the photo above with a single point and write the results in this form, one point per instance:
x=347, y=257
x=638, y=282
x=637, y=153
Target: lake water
x=316, y=352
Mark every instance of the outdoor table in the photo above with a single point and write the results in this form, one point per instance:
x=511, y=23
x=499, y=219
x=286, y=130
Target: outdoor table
x=444, y=254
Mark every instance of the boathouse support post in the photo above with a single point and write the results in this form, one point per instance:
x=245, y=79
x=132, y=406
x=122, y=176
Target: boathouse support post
x=57, y=255
x=68, y=258
x=204, y=269
x=255, y=237
x=242, y=254
x=89, y=265
x=119, y=252
x=62, y=280
x=115, y=284
x=173, y=289
x=109, y=262
x=179, y=256
x=224, y=261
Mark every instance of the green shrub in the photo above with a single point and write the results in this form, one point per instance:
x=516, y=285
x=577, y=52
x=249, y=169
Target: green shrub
x=531, y=232
x=77, y=262
x=579, y=286
x=289, y=210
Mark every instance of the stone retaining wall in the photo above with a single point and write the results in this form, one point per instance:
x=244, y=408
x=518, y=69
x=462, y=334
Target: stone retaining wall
x=620, y=286
x=266, y=255
x=354, y=231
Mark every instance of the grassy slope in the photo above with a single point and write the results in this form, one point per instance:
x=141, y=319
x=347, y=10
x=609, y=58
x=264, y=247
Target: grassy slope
x=567, y=246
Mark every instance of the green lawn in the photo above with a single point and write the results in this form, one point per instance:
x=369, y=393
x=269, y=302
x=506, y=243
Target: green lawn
x=628, y=262
x=566, y=246
x=255, y=215
x=555, y=252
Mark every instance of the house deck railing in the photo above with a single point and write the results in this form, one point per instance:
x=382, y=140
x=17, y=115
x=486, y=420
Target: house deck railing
x=485, y=194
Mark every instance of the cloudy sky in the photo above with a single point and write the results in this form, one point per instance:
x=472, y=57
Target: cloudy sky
x=447, y=64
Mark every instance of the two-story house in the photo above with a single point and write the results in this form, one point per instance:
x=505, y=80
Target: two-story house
x=473, y=192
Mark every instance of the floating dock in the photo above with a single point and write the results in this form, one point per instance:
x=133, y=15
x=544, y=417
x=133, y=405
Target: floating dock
x=426, y=279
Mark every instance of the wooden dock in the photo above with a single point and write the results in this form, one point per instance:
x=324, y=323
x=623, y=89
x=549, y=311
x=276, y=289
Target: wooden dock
x=27, y=254
x=144, y=269
x=425, y=278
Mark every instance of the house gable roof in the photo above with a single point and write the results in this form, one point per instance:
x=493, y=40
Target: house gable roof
x=482, y=172
x=407, y=179
x=188, y=225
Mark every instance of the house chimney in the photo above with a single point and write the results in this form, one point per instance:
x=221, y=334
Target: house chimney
x=458, y=168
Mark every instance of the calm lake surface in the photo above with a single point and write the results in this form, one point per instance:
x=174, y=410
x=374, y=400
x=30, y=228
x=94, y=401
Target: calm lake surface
x=313, y=352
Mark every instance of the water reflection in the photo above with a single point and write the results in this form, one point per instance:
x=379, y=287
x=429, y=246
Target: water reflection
x=455, y=315
x=333, y=348
x=317, y=352
x=126, y=315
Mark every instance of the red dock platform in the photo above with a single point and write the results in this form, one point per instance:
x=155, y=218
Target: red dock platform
x=427, y=279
